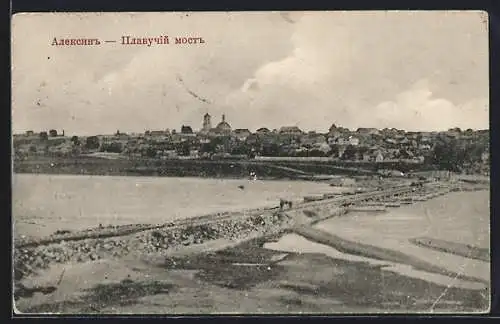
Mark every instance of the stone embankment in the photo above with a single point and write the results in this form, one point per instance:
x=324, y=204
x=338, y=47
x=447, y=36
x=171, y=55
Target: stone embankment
x=31, y=258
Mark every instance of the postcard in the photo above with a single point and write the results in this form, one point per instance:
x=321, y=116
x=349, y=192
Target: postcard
x=304, y=162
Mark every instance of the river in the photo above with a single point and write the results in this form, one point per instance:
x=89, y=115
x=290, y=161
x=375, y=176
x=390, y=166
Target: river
x=44, y=203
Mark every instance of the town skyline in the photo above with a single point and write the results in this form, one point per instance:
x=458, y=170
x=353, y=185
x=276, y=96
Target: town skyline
x=199, y=128
x=291, y=68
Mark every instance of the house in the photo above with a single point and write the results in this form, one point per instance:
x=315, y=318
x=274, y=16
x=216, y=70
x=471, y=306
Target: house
x=368, y=131
x=262, y=131
x=332, y=140
x=353, y=141
x=425, y=139
x=204, y=140
x=186, y=129
x=213, y=132
x=312, y=138
x=379, y=157
x=252, y=139
x=241, y=133
x=453, y=132
x=390, y=131
x=345, y=140
x=333, y=128
x=424, y=147
x=412, y=135
x=156, y=133
x=404, y=140
x=335, y=131
x=187, y=132
x=290, y=130
x=323, y=147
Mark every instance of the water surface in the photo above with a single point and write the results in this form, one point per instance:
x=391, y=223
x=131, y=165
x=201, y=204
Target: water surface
x=45, y=203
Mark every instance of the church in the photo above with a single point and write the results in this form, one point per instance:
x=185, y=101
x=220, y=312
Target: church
x=222, y=128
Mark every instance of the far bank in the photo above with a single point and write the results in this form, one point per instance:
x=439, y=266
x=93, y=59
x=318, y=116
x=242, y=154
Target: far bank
x=219, y=168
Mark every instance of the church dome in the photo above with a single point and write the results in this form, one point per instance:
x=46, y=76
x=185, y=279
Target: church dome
x=223, y=126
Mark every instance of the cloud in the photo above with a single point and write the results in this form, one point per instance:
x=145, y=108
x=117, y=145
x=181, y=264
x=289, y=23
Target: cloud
x=309, y=69
x=337, y=72
x=417, y=109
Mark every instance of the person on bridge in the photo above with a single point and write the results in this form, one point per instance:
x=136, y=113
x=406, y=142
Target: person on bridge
x=284, y=202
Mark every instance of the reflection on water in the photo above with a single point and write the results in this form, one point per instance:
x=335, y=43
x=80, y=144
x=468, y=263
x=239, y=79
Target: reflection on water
x=297, y=244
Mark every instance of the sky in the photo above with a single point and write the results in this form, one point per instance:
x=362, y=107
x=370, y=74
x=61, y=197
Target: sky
x=423, y=71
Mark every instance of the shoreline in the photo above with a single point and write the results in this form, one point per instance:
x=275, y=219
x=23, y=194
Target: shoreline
x=269, y=169
x=192, y=241
x=128, y=175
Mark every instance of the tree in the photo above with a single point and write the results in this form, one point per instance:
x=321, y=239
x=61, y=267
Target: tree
x=92, y=142
x=447, y=155
x=114, y=147
x=334, y=150
x=208, y=148
x=75, y=140
x=52, y=133
x=44, y=136
x=150, y=152
x=241, y=149
x=316, y=153
x=349, y=153
x=473, y=152
x=270, y=150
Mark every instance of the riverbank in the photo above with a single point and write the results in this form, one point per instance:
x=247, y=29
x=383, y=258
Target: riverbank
x=241, y=277
x=222, y=168
x=241, y=265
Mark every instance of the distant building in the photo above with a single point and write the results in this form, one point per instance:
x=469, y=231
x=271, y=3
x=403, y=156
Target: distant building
x=312, y=139
x=207, y=123
x=290, y=130
x=241, y=133
x=344, y=140
x=333, y=128
x=223, y=127
x=262, y=131
x=155, y=133
x=186, y=129
x=252, y=139
x=323, y=147
x=368, y=131
x=353, y=140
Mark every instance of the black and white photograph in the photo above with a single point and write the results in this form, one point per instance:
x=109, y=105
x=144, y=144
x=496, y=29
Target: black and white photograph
x=264, y=162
